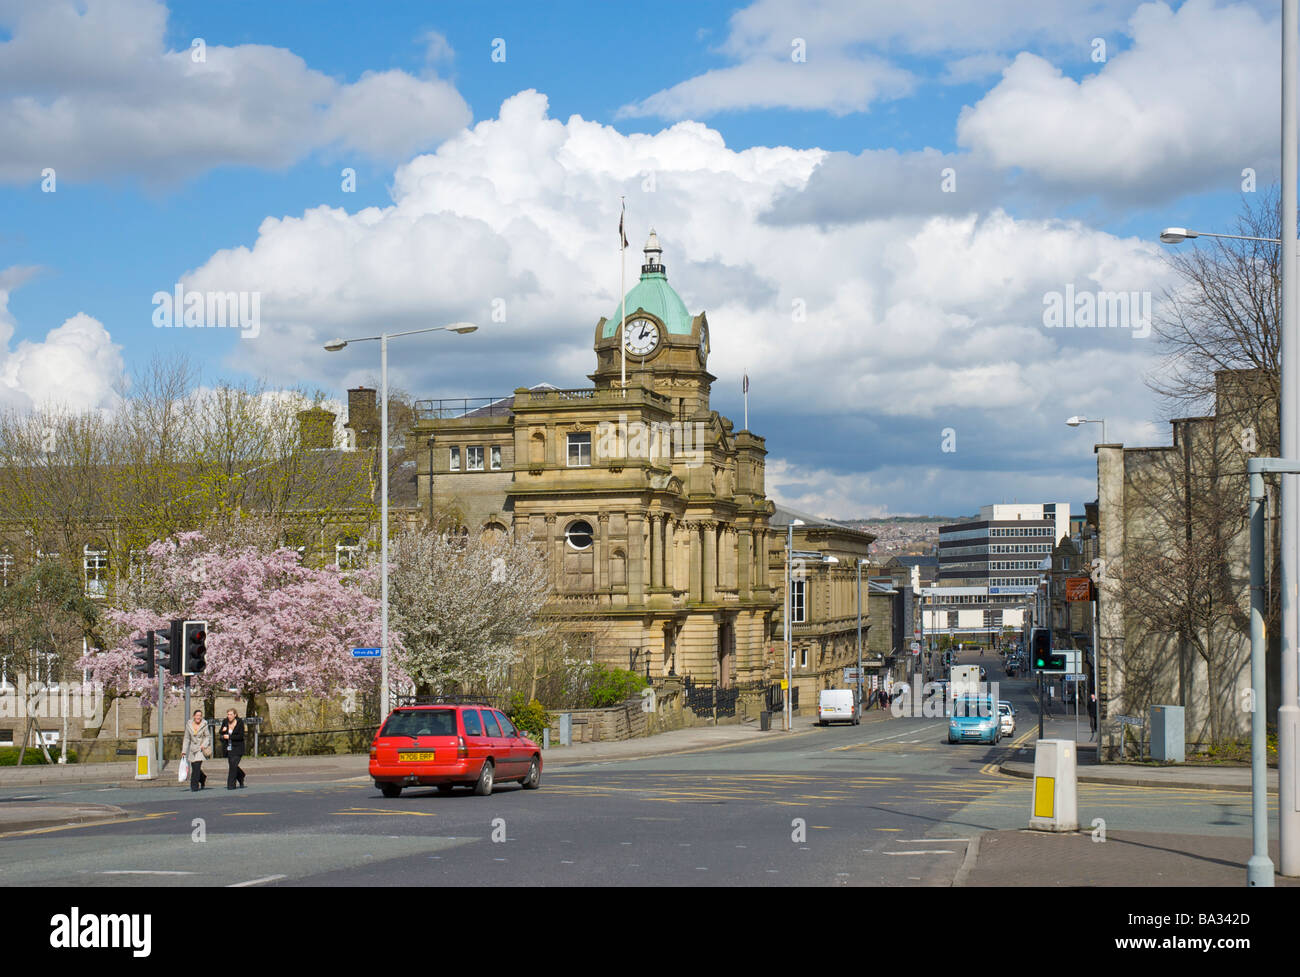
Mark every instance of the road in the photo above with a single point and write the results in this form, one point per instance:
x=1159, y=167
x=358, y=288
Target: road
x=888, y=802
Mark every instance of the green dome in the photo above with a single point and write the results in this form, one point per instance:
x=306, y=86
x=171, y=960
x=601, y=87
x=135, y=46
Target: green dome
x=654, y=295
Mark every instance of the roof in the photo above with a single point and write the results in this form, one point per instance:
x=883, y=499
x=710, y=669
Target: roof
x=784, y=514
x=917, y=561
x=653, y=294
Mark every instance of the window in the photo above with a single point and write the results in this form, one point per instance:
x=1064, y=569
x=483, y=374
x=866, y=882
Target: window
x=490, y=722
x=803, y=657
x=506, y=728
x=579, y=535
x=473, y=725
x=96, y=567
x=495, y=457
x=348, y=553
x=453, y=460
x=580, y=450
x=798, y=608
x=474, y=458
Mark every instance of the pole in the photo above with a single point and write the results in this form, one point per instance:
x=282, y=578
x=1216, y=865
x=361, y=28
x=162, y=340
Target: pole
x=1288, y=720
x=1096, y=687
x=857, y=696
x=162, y=693
x=789, y=603
x=383, y=528
x=1259, y=870
x=187, y=698
x=622, y=291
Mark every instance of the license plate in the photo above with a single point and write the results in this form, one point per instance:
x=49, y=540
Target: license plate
x=414, y=757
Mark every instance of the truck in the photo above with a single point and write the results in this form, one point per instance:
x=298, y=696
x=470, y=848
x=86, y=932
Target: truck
x=963, y=680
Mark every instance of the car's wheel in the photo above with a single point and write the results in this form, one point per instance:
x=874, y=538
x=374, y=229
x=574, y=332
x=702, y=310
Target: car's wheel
x=534, y=778
x=391, y=790
x=484, y=785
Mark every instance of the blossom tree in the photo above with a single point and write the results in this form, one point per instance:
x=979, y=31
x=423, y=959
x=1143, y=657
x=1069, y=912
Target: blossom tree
x=273, y=625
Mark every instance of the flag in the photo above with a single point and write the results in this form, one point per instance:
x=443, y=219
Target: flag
x=745, y=386
x=621, y=236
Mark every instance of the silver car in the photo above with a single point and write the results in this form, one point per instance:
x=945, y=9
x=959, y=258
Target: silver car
x=1007, y=717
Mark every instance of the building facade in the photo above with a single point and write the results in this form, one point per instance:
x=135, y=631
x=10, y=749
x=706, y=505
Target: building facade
x=650, y=505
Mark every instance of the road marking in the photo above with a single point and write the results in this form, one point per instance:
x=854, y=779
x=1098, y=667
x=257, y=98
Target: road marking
x=142, y=871
x=917, y=841
x=248, y=814
x=363, y=812
x=265, y=878
x=928, y=851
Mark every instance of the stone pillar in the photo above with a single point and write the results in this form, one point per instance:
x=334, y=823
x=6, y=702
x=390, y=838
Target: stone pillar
x=710, y=577
x=730, y=557
x=600, y=572
x=556, y=555
x=696, y=562
x=665, y=550
x=635, y=557
x=657, y=522
x=744, y=562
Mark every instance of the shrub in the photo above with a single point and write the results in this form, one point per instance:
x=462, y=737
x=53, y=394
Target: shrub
x=9, y=756
x=610, y=686
x=530, y=716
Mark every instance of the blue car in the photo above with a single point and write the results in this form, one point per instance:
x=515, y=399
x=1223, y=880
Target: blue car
x=974, y=719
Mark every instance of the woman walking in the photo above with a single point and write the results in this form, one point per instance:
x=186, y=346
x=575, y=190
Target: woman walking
x=198, y=745
x=232, y=737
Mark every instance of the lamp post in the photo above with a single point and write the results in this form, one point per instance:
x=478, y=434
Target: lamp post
x=334, y=345
x=857, y=698
x=1288, y=713
x=789, y=605
x=1079, y=419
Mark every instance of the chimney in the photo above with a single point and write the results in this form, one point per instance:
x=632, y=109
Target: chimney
x=363, y=417
x=316, y=429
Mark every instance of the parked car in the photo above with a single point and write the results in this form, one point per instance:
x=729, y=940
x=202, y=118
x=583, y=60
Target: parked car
x=836, y=706
x=974, y=718
x=1007, y=717
x=448, y=746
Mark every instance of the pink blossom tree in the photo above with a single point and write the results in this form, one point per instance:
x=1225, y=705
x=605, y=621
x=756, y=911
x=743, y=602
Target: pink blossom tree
x=274, y=625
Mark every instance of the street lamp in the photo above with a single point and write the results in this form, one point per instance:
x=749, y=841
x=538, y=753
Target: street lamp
x=857, y=698
x=334, y=345
x=1080, y=419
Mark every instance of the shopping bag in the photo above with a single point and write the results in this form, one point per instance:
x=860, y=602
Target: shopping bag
x=183, y=771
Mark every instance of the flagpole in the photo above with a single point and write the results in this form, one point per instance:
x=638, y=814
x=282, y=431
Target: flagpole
x=746, y=398
x=622, y=291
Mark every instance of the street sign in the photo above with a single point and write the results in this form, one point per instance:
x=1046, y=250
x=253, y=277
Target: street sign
x=365, y=652
x=850, y=674
x=916, y=635
x=1129, y=721
x=1076, y=677
x=916, y=647
x=1078, y=588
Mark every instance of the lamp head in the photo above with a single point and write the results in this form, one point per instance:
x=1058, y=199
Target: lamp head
x=1176, y=235
x=334, y=345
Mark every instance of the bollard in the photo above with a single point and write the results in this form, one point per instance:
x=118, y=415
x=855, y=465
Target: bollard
x=144, y=759
x=1055, y=805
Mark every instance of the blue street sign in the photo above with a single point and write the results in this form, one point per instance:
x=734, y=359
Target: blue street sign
x=365, y=652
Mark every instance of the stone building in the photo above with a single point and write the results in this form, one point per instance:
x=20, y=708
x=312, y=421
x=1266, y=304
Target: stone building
x=1173, y=538
x=650, y=504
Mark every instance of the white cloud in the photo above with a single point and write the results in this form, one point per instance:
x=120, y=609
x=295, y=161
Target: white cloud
x=1193, y=101
x=91, y=90
x=77, y=365
x=909, y=321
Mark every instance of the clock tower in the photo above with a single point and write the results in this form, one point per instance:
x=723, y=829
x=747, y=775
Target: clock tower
x=666, y=348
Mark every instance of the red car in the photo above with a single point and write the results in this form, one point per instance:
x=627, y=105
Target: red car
x=446, y=746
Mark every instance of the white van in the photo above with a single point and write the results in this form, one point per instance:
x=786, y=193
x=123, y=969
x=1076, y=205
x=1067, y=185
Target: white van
x=836, y=706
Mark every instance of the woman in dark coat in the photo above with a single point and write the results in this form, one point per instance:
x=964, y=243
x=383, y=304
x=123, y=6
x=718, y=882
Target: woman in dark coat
x=232, y=736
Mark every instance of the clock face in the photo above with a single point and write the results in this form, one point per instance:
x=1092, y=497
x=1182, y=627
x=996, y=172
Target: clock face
x=640, y=337
x=704, y=343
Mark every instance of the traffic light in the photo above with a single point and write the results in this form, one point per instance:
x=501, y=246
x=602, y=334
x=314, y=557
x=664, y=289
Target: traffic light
x=1050, y=662
x=169, y=652
x=194, y=647
x=145, y=664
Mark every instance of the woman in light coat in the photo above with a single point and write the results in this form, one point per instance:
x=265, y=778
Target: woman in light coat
x=198, y=746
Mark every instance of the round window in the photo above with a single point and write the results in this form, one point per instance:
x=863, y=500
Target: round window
x=579, y=535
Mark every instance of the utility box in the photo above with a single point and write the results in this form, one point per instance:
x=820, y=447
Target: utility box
x=1168, y=734
x=146, y=758
x=566, y=729
x=1055, y=803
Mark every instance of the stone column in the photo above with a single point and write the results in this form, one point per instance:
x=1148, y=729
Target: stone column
x=696, y=562
x=744, y=562
x=635, y=557
x=556, y=554
x=710, y=576
x=600, y=572
x=657, y=550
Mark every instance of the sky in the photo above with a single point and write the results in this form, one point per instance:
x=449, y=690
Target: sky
x=878, y=204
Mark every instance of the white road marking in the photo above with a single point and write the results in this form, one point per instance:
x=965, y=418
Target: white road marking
x=926, y=851
x=265, y=878
x=141, y=871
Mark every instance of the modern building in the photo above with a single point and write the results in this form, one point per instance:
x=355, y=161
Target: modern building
x=990, y=568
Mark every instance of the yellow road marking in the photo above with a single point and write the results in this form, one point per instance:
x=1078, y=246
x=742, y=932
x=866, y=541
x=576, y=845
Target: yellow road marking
x=359, y=812
x=88, y=824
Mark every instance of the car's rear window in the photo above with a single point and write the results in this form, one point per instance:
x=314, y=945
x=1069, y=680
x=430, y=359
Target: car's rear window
x=492, y=728
x=421, y=722
x=473, y=725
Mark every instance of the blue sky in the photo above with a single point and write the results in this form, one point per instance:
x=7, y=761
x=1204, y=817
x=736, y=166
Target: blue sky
x=776, y=182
